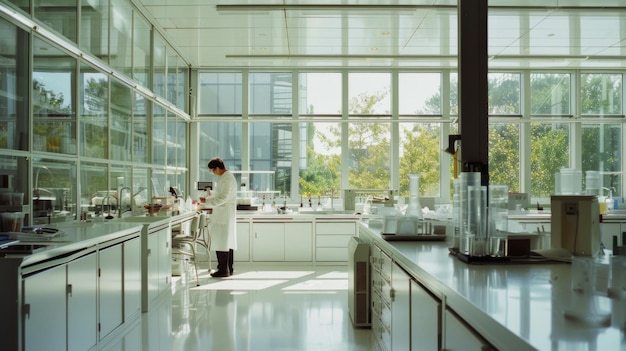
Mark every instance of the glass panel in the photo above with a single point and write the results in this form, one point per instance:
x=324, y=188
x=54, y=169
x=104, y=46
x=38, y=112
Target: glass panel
x=54, y=191
x=369, y=94
x=454, y=93
x=94, y=28
x=54, y=119
x=270, y=150
x=601, y=94
x=121, y=41
x=141, y=51
x=95, y=195
x=550, y=94
x=94, y=111
x=159, y=136
x=159, y=182
x=172, y=143
x=181, y=140
x=424, y=160
x=172, y=76
x=220, y=93
x=121, y=104
x=14, y=125
x=141, y=188
x=59, y=15
x=24, y=5
x=219, y=140
x=320, y=159
x=370, y=155
x=160, y=67
x=419, y=94
x=548, y=154
x=140, y=129
x=181, y=85
x=504, y=155
x=14, y=178
x=320, y=93
x=270, y=93
x=602, y=151
x=120, y=186
x=504, y=93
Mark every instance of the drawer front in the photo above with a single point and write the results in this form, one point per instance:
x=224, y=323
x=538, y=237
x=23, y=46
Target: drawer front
x=336, y=228
x=333, y=241
x=331, y=254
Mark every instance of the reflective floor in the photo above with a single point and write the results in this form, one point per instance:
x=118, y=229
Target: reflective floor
x=259, y=308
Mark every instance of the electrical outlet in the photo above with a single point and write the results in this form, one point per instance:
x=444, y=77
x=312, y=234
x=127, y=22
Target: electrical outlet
x=570, y=208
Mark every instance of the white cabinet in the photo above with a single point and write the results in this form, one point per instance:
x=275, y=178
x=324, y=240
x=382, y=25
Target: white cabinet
x=111, y=292
x=82, y=292
x=381, y=298
x=331, y=240
x=459, y=337
x=425, y=324
x=132, y=278
x=609, y=230
x=157, y=267
x=242, y=254
x=280, y=242
x=400, y=310
x=44, y=310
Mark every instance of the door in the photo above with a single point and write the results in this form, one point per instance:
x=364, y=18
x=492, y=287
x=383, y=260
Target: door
x=82, y=293
x=111, y=289
x=268, y=242
x=400, y=309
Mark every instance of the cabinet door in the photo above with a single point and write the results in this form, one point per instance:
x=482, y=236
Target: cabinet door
x=44, y=310
x=299, y=242
x=425, y=332
x=458, y=337
x=242, y=254
x=152, y=268
x=111, y=289
x=164, y=259
x=82, y=293
x=132, y=277
x=268, y=242
x=400, y=309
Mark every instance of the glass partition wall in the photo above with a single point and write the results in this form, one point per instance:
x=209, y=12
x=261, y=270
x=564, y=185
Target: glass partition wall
x=392, y=124
x=77, y=125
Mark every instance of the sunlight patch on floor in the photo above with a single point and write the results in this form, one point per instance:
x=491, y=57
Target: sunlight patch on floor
x=320, y=284
x=271, y=275
x=233, y=284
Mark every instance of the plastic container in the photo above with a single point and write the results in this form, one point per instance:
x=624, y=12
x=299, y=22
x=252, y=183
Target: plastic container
x=12, y=221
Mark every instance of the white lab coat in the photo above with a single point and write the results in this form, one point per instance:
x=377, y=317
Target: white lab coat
x=223, y=221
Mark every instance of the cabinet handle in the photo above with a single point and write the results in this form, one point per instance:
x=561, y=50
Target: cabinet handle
x=255, y=235
x=26, y=310
x=69, y=289
x=392, y=294
x=149, y=252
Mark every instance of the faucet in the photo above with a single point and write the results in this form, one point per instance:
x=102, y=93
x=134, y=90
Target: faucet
x=108, y=197
x=120, y=198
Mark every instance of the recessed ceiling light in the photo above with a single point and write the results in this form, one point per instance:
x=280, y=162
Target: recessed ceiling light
x=373, y=49
x=550, y=34
x=385, y=33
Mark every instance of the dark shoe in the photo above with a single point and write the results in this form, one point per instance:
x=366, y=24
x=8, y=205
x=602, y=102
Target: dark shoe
x=220, y=274
x=231, y=259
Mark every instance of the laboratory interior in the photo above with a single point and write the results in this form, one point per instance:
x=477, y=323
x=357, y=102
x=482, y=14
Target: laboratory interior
x=410, y=175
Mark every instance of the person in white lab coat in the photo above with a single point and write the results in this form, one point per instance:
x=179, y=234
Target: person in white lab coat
x=222, y=226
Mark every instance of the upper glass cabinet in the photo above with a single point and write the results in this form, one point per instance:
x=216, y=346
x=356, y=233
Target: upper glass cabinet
x=94, y=110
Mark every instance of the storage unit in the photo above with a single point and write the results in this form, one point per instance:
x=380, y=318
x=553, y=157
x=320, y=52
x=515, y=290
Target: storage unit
x=358, y=282
x=275, y=241
x=331, y=239
x=381, y=298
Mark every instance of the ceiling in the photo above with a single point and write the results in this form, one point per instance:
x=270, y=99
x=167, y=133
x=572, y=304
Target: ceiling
x=564, y=34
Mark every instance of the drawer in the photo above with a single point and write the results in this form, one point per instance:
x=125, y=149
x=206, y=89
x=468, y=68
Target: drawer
x=332, y=254
x=333, y=241
x=335, y=228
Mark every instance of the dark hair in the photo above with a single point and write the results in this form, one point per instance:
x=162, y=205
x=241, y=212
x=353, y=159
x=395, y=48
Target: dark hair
x=216, y=162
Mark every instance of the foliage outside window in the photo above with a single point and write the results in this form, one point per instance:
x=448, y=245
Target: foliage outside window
x=504, y=159
x=550, y=93
x=369, y=93
x=420, y=154
x=504, y=93
x=602, y=151
x=320, y=166
x=94, y=112
x=601, y=94
x=59, y=15
x=549, y=144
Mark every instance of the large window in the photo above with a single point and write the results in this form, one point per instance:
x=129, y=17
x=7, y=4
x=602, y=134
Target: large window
x=549, y=153
x=369, y=148
x=504, y=93
x=320, y=159
x=420, y=154
x=602, y=151
x=220, y=93
x=320, y=93
x=271, y=150
x=368, y=94
x=219, y=140
x=550, y=93
x=504, y=159
x=601, y=94
x=270, y=93
x=419, y=93
x=94, y=112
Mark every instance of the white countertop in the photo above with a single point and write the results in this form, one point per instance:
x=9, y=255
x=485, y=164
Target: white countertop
x=515, y=306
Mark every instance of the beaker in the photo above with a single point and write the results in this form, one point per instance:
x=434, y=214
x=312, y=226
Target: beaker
x=414, y=208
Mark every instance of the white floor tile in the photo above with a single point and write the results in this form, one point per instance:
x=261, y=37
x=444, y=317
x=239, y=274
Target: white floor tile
x=273, y=308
